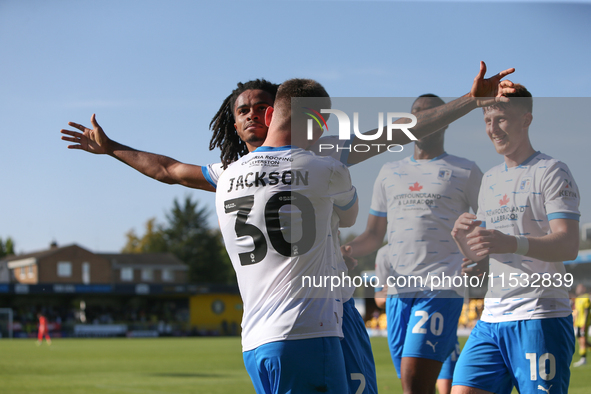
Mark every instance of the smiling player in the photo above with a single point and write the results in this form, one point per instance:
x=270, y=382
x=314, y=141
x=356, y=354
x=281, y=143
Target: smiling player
x=528, y=206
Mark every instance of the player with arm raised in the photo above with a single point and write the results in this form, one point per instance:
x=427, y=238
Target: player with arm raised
x=238, y=126
x=415, y=202
x=385, y=274
x=528, y=207
x=239, y=119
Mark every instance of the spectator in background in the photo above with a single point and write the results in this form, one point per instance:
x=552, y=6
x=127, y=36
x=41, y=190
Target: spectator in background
x=42, y=331
x=582, y=305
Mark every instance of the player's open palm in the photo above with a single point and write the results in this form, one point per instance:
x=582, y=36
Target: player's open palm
x=91, y=140
x=491, y=89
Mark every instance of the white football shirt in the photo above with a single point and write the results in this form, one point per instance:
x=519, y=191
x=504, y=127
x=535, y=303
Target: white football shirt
x=422, y=200
x=212, y=172
x=523, y=200
x=274, y=207
x=328, y=146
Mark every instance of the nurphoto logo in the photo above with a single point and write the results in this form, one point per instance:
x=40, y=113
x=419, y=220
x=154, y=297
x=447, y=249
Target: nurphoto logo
x=345, y=133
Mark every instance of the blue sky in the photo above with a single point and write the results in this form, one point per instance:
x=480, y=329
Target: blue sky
x=155, y=73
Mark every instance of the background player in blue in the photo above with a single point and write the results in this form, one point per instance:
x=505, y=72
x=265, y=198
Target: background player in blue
x=274, y=207
x=416, y=202
x=581, y=316
x=383, y=272
x=529, y=207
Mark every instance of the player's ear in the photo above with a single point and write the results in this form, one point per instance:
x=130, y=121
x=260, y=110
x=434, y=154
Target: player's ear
x=528, y=119
x=269, y=115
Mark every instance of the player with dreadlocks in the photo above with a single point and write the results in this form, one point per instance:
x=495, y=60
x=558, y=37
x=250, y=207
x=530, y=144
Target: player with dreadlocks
x=225, y=135
x=238, y=128
x=250, y=101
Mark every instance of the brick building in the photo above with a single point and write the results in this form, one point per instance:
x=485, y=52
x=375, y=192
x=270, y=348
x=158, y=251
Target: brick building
x=73, y=264
x=161, y=268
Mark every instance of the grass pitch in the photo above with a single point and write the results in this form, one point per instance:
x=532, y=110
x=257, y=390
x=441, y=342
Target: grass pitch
x=157, y=366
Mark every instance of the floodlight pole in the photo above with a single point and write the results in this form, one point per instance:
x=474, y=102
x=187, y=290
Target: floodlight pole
x=9, y=313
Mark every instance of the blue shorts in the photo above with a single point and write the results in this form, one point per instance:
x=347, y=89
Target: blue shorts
x=423, y=325
x=532, y=355
x=448, y=367
x=297, y=366
x=359, y=362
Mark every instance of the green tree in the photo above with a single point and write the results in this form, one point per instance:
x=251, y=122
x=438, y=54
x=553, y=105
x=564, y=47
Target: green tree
x=6, y=248
x=153, y=240
x=188, y=236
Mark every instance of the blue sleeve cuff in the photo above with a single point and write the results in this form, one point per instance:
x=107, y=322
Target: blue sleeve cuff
x=207, y=177
x=378, y=213
x=564, y=215
x=344, y=208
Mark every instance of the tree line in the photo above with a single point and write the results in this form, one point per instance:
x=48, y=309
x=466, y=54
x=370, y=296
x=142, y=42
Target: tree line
x=6, y=247
x=186, y=235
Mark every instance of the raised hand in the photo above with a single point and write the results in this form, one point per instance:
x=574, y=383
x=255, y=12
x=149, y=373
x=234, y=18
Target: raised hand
x=492, y=88
x=91, y=140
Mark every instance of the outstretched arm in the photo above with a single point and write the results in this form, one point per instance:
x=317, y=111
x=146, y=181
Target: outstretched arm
x=159, y=167
x=484, y=92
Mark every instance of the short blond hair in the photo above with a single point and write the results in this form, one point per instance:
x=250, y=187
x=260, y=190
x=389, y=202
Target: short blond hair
x=524, y=100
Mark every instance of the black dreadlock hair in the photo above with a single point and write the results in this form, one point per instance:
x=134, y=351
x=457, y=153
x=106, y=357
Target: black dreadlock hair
x=224, y=134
